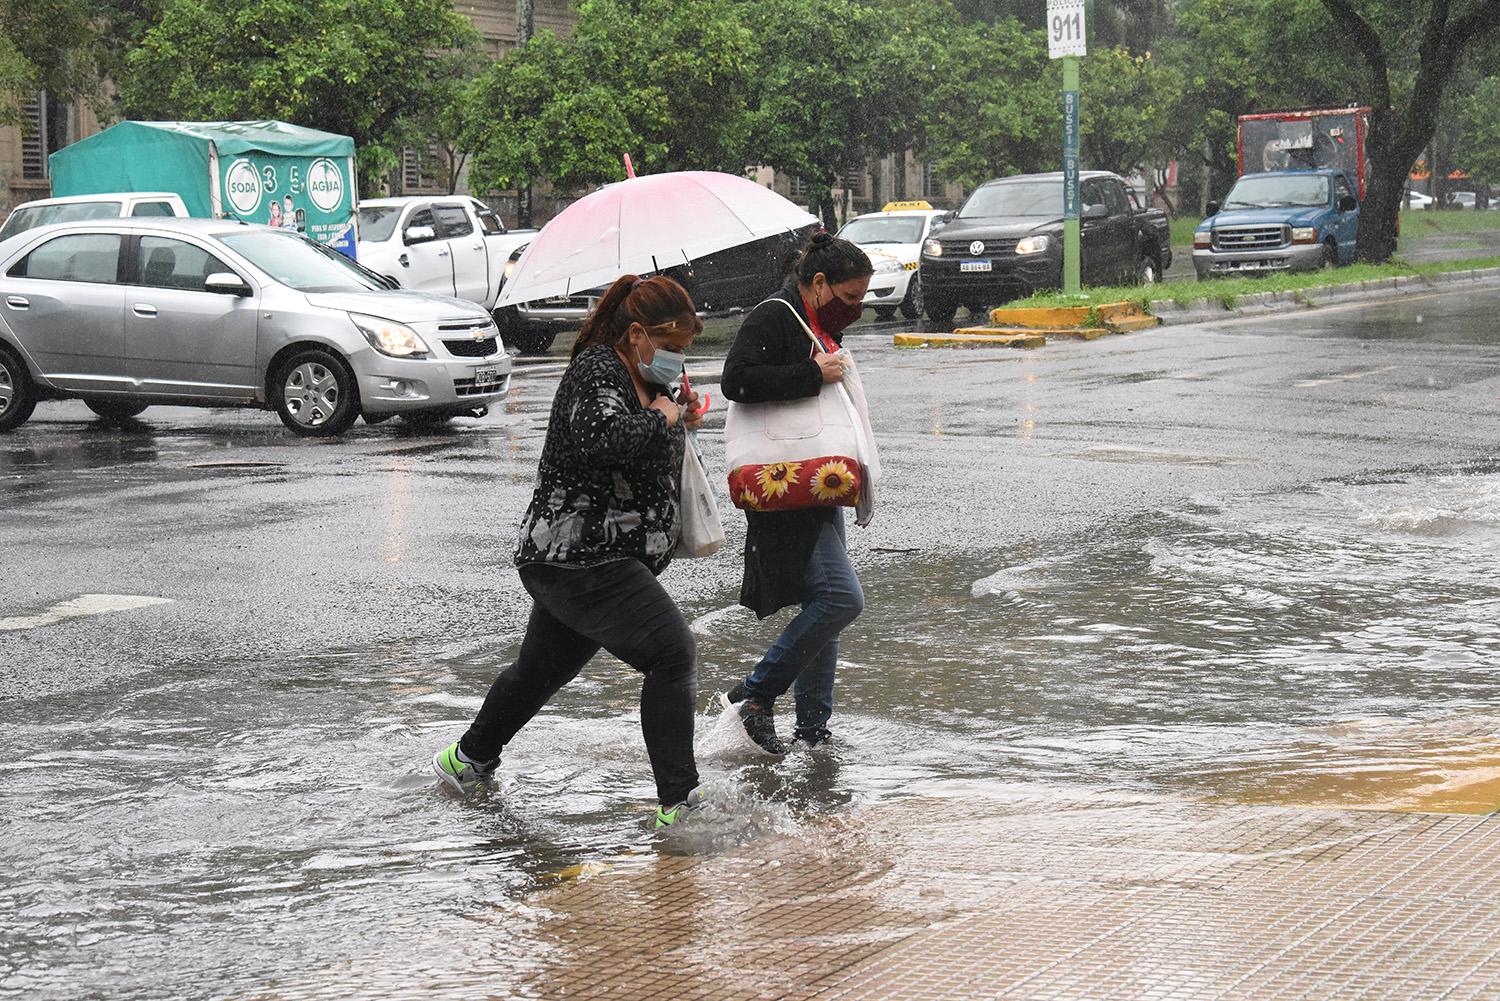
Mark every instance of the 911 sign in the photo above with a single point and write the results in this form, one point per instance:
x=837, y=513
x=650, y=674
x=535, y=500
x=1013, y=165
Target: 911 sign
x=1065, y=29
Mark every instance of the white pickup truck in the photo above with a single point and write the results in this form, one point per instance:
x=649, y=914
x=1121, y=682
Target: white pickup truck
x=454, y=245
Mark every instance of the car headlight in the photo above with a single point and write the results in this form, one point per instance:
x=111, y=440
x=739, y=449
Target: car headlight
x=1305, y=234
x=932, y=248
x=389, y=337
x=1034, y=245
x=1203, y=238
x=887, y=266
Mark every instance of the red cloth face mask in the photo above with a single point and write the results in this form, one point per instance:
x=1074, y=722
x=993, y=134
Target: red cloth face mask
x=835, y=315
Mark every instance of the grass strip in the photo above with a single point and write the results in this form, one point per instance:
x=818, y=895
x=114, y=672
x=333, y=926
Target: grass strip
x=1229, y=290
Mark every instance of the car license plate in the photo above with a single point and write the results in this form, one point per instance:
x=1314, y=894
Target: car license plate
x=486, y=376
x=975, y=266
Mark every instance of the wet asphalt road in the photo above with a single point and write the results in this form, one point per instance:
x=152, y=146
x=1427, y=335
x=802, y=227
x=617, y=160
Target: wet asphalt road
x=1240, y=559
x=274, y=549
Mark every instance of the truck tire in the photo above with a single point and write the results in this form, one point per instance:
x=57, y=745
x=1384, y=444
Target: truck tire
x=940, y=310
x=1147, y=271
x=315, y=394
x=884, y=312
x=116, y=410
x=1330, y=255
x=532, y=342
x=17, y=394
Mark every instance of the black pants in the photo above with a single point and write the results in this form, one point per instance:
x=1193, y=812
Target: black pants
x=621, y=607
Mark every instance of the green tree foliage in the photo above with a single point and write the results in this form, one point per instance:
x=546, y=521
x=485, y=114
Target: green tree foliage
x=536, y=114
x=1126, y=106
x=1479, y=117
x=372, y=69
x=825, y=98
x=66, y=47
x=993, y=104
x=1410, y=52
x=667, y=82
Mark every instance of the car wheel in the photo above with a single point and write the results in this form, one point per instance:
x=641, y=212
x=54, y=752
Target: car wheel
x=17, y=394
x=911, y=305
x=1146, y=270
x=116, y=410
x=884, y=312
x=941, y=310
x=1330, y=255
x=315, y=394
x=508, y=322
x=532, y=342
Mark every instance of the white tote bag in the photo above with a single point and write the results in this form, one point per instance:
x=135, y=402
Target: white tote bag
x=813, y=452
x=702, y=531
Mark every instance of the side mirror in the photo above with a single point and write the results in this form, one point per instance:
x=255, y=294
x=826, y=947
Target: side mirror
x=226, y=283
x=1348, y=203
x=1096, y=211
x=1212, y=208
x=418, y=234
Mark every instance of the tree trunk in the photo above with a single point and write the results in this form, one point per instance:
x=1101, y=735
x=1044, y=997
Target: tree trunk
x=525, y=28
x=525, y=21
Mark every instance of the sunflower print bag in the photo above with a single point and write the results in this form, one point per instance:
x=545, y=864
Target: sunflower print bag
x=797, y=454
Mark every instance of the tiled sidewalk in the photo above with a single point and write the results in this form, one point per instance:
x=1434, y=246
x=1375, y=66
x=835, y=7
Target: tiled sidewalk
x=1018, y=897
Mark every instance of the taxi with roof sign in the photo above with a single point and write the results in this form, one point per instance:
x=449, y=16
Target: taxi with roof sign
x=893, y=238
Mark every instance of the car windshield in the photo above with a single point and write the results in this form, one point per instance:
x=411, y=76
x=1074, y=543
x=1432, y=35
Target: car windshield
x=883, y=229
x=295, y=263
x=25, y=218
x=1030, y=198
x=378, y=222
x=1279, y=192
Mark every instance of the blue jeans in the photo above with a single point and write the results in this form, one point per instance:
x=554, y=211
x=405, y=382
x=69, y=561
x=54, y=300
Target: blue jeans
x=807, y=650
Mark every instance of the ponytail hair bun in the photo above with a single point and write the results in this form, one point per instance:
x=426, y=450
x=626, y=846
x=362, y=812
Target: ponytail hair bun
x=836, y=259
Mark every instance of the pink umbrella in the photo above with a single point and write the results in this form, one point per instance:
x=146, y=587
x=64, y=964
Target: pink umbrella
x=645, y=224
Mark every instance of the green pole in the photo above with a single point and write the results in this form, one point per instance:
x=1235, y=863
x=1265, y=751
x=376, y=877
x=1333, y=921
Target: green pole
x=1072, y=271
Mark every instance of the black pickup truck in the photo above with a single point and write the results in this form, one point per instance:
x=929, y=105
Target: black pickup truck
x=1006, y=242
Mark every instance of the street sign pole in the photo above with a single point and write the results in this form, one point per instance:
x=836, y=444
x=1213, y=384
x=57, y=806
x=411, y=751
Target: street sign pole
x=1072, y=263
x=1066, y=41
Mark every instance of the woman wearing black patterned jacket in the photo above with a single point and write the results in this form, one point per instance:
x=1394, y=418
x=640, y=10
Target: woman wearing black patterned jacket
x=603, y=522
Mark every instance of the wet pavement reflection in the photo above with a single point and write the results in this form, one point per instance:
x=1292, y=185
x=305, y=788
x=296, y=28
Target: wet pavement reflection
x=223, y=820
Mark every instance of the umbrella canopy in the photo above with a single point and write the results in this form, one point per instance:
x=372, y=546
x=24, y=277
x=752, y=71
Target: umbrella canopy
x=647, y=224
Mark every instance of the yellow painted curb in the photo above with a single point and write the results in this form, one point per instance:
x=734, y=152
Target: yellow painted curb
x=1070, y=333
x=1118, y=310
x=971, y=339
x=1123, y=324
x=1057, y=316
x=1061, y=316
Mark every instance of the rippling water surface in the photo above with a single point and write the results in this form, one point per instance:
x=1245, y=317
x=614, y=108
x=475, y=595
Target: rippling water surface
x=235, y=829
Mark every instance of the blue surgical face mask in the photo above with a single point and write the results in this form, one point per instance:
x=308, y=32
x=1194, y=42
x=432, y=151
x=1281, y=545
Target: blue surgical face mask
x=665, y=366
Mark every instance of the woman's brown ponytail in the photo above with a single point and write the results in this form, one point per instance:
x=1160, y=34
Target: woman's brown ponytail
x=659, y=304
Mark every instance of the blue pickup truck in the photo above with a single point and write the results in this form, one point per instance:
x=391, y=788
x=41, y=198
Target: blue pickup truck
x=1281, y=220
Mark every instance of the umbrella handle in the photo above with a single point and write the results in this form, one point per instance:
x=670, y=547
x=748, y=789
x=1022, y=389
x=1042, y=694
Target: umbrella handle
x=629, y=167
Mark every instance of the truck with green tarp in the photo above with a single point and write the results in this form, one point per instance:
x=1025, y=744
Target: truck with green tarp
x=268, y=172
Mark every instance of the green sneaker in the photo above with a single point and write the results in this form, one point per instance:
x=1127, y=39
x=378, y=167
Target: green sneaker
x=696, y=801
x=457, y=773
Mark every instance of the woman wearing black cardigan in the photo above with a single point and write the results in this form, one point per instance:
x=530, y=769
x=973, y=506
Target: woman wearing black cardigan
x=797, y=557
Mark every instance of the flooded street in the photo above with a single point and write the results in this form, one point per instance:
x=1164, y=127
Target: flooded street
x=1250, y=562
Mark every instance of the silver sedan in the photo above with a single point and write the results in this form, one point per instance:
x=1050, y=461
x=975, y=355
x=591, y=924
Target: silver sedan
x=126, y=313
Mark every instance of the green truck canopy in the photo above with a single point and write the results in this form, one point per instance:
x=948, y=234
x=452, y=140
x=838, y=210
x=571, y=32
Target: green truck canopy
x=264, y=172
